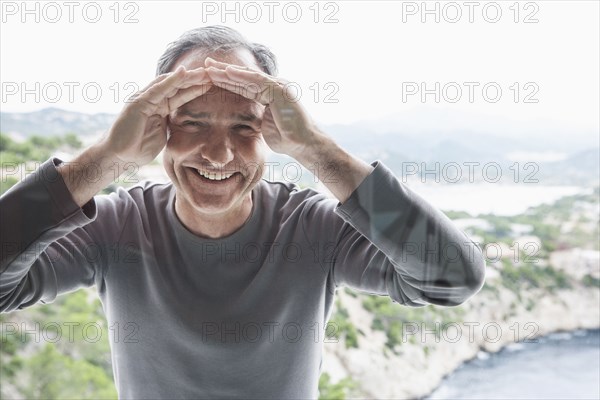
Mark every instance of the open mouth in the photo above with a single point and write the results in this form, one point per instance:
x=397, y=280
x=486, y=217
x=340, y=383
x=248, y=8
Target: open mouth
x=215, y=177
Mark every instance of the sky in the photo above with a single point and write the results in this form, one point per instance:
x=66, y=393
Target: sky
x=529, y=62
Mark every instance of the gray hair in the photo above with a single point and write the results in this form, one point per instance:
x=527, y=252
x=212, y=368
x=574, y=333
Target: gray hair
x=215, y=39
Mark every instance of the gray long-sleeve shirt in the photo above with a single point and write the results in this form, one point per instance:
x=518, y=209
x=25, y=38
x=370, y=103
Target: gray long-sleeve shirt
x=239, y=317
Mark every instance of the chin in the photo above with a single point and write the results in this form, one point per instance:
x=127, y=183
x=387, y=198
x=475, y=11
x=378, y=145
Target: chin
x=213, y=206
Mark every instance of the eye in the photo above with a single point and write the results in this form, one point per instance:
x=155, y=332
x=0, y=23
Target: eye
x=245, y=130
x=242, y=127
x=194, y=123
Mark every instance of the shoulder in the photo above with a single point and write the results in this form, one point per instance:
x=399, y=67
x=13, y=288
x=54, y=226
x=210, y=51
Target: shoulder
x=142, y=196
x=288, y=198
x=285, y=192
x=146, y=191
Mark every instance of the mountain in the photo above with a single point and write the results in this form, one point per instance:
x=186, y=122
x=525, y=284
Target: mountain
x=54, y=121
x=582, y=168
x=424, y=137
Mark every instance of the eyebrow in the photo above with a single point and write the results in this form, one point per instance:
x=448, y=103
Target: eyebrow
x=248, y=117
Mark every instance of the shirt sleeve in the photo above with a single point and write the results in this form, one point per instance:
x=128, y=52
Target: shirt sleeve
x=49, y=244
x=387, y=240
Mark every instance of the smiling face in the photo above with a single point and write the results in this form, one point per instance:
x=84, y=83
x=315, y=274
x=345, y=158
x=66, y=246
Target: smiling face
x=215, y=151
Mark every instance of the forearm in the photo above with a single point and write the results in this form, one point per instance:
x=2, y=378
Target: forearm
x=35, y=213
x=337, y=169
x=435, y=262
x=90, y=172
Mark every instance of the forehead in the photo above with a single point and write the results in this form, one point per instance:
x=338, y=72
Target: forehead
x=220, y=103
x=195, y=58
x=218, y=99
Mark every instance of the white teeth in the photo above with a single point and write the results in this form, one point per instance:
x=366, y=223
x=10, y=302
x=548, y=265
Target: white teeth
x=215, y=176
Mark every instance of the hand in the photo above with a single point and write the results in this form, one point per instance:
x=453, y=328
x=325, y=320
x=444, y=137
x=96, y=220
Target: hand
x=140, y=131
x=286, y=126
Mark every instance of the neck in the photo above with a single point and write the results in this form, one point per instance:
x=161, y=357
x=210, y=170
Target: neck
x=213, y=225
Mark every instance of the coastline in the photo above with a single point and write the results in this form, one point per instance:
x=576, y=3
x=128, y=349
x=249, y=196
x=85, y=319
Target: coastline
x=546, y=347
x=493, y=319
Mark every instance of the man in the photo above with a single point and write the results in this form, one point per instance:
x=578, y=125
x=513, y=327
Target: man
x=221, y=281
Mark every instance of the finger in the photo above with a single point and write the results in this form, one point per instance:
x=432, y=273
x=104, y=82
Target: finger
x=170, y=86
x=217, y=73
x=197, y=76
x=259, y=88
x=235, y=88
x=211, y=62
x=247, y=75
x=137, y=95
x=155, y=80
x=246, y=91
x=186, y=95
x=166, y=88
x=220, y=69
x=238, y=74
x=255, y=81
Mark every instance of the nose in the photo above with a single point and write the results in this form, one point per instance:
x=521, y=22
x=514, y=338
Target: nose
x=218, y=149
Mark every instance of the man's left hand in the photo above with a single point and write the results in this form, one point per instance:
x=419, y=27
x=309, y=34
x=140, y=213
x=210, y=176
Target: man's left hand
x=288, y=129
x=286, y=126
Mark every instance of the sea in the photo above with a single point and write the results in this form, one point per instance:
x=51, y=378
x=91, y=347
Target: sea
x=487, y=198
x=562, y=365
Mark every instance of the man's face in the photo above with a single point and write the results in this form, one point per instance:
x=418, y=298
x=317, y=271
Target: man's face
x=215, y=152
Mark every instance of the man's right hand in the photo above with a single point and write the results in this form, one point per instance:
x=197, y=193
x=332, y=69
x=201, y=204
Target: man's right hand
x=137, y=136
x=140, y=131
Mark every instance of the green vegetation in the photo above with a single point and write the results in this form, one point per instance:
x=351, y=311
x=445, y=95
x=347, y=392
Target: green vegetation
x=457, y=214
x=591, y=281
x=519, y=275
x=390, y=318
x=548, y=219
x=7, y=182
x=49, y=356
x=338, y=391
x=501, y=226
x=34, y=149
x=532, y=276
x=82, y=368
x=53, y=375
x=341, y=327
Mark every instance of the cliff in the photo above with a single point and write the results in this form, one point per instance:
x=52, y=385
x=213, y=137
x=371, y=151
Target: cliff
x=492, y=319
